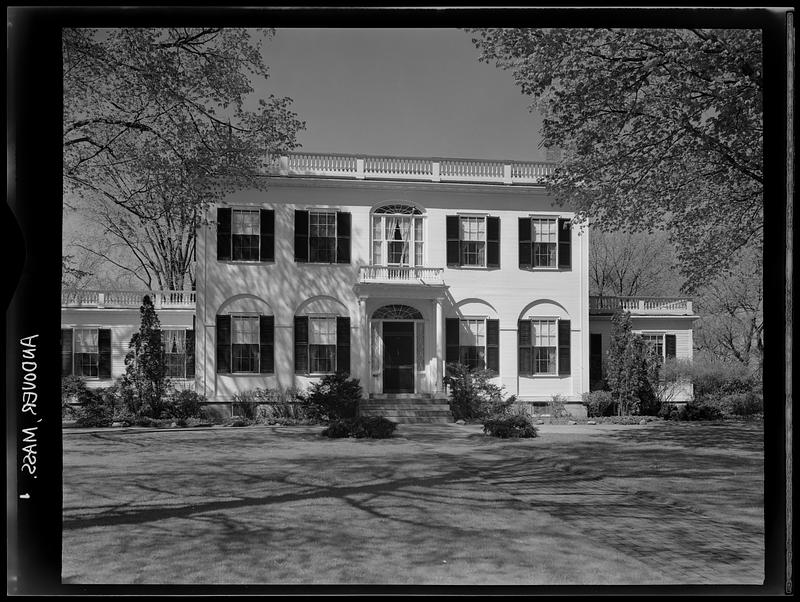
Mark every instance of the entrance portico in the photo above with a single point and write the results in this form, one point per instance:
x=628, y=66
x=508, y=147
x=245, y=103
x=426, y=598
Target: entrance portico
x=402, y=328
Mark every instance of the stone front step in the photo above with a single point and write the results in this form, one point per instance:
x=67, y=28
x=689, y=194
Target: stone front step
x=407, y=409
x=404, y=412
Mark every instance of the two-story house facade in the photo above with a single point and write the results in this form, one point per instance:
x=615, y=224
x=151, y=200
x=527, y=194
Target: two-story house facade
x=391, y=268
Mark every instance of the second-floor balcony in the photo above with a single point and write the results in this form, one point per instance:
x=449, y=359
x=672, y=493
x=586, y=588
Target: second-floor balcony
x=666, y=306
x=368, y=167
x=126, y=299
x=381, y=274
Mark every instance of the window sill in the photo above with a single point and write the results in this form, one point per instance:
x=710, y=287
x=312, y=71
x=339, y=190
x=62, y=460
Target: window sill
x=472, y=267
x=243, y=374
x=245, y=262
x=544, y=269
x=544, y=375
x=321, y=263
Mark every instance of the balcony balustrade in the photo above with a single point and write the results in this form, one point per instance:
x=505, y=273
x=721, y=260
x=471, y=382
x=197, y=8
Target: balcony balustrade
x=408, y=168
x=400, y=275
x=127, y=299
x=641, y=305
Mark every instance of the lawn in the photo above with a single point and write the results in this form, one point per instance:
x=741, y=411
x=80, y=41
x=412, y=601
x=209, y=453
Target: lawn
x=667, y=503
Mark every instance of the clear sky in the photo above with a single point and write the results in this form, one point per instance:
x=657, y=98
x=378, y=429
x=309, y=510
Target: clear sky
x=418, y=92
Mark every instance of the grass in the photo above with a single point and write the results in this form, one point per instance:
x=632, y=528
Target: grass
x=436, y=504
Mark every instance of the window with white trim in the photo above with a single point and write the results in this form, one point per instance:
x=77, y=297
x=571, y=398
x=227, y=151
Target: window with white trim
x=655, y=342
x=246, y=234
x=87, y=352
x=472, y=234
x=322, y=343
x=397, y=240
x=322, y=236
x=538, y=346
x=544, y=233
x=472, y=343
x=244, y=343
x=174, y=341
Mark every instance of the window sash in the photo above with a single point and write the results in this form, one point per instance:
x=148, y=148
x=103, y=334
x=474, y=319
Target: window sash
x=174, y=341
x=472, y=240
x=85, y=340
x=656, y=343
x=322, y=330
x=388, y=249
x=244, y=357
x=244, y=330
x=472, y=356
x=87, y=364
x=322, y=358
x=539, y=348
x=246, y=222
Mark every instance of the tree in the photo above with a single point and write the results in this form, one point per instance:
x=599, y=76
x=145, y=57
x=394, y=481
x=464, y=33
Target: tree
x=631, y=370
x=156, y=128
x=731, y=326
x=625, y=264
x=661, y=129
x=145, y=365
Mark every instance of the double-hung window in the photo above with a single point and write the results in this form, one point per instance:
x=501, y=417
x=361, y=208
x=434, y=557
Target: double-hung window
x=178, y=352
x=244, y=343
x=397, y=240
x=245, y=234
x=660, y=344
x=321, y=236
x=473, y=241
x=473, y=342
x=322, y=343
x=545, y=242
x=86, y=352
x=544, y=346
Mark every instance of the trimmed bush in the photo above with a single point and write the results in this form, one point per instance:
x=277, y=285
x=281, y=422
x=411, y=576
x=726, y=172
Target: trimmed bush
x=96, y=409
x=335, y=396
x=360, y=427
x=599, y=404
x=183, y=404
x=472, y=395
x=510, y=426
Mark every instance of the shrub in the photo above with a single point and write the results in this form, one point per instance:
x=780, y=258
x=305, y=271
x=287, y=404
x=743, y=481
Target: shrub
x=360, y=427
x=510, y=426
x=245, y=405
x=72, y=388
x=335, y=396
x=721, y=378
x=633, y=371
x=472, y=395
x=183, y=404
x=695, y=410
x=746, y=404
x=96, y=409
x=556, y=407
x=599, y=404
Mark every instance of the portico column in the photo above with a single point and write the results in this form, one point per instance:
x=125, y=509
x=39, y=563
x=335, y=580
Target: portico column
x=439, y=344
x=366, y=381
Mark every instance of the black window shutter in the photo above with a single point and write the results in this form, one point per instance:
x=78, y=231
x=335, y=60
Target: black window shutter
x=266, y=340
x=452, y=241
x=223, y=233
x=524, y=347
x=525, y=246
x=563, y=347
x=301, y=236
x=190, y=354
x=564, y=244
x=451, y=340
x=267, y=235
x=493, y=345
x=301, y=344
x=342, y=237
x=223, y=344
x=343, y=345
x=493, y=242
x=66, y=351
x=671, y=346
x=104, y=348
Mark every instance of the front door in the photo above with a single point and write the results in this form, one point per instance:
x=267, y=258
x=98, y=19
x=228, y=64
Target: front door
x=398, y=357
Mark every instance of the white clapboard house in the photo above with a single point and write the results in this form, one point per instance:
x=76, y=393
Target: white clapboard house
x=389, y=268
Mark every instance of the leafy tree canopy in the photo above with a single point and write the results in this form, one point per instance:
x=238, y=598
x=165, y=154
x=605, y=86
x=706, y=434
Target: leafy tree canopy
x=661, y=129
x=156, y=126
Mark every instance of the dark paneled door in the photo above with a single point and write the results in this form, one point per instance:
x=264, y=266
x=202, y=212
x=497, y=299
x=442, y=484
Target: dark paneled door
x=398, y=357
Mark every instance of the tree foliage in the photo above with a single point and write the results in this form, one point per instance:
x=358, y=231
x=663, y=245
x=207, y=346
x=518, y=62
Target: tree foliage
x=156, y=126
x=631, y=370
x=660, y=129
x=145, y=364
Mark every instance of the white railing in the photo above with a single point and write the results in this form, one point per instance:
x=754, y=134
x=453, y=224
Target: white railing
x=133, y=299
x=400, y=275
x=642, y=305
x=408, y=168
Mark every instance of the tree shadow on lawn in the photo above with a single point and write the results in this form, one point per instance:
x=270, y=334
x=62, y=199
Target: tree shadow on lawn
x=739, y=436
